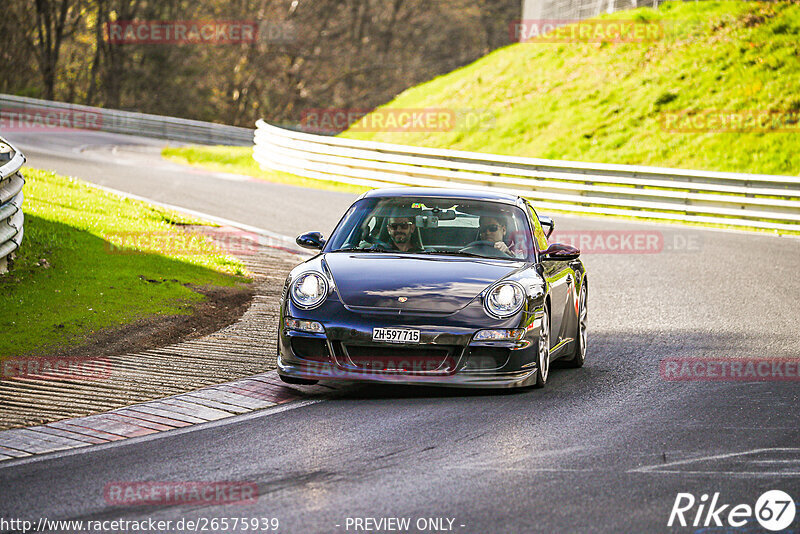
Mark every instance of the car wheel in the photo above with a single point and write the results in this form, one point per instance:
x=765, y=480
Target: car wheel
x=543, y=352
x=297, y=381
x=579, y=356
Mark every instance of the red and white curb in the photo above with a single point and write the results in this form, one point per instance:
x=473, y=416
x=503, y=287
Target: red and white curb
x=201, y=406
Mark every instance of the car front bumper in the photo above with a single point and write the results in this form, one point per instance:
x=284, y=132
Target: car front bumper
x=445, y=356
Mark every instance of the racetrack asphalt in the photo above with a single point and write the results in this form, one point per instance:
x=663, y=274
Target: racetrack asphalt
x=605, y=448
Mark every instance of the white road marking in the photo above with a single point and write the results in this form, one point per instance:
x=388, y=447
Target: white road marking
x=659, y=468
x=233, y=177
x=727, y=473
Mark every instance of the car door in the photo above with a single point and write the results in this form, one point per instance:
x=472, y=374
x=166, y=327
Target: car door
x=560, y=278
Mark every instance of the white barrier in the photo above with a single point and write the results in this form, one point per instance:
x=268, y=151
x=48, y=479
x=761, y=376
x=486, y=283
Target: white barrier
x=11, y=197
x=31, y=114
x=734, y=199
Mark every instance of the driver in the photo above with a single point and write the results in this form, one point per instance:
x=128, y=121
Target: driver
x=402, y=233
x=494, y=229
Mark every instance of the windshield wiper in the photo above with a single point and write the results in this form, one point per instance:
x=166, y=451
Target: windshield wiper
x=455, y=253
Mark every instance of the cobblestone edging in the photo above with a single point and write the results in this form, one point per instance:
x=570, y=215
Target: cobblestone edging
x=200, y=406
x=243, y=349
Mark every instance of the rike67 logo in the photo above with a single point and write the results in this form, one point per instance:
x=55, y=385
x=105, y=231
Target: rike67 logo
x=774, y=510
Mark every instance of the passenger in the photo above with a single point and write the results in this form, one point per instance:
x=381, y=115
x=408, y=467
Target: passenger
x=493, y=229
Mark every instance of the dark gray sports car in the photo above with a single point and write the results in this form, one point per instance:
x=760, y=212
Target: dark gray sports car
x=434, y=286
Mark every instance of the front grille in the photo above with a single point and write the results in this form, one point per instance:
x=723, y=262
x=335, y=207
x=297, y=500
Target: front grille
x=425, y=359
x=311, y=349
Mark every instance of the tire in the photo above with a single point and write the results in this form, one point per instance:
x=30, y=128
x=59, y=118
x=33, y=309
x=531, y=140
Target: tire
x=579, y=355
x=297, y=381
x=543, y=352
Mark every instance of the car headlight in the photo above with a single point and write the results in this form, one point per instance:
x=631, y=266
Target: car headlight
x=504, y=300
x=309, y=290
x=499, y=335
x=303, y=326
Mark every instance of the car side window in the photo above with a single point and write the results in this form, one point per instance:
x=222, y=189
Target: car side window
x=538, y=231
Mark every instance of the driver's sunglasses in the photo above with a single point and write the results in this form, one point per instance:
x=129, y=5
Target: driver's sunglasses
x=404, y=225
x=489, y=228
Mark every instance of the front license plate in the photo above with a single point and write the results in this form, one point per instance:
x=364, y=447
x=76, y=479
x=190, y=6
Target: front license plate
x=395, y=335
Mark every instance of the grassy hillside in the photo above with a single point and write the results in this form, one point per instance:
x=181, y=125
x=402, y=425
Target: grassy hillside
x=70, y=282
x=604, y=102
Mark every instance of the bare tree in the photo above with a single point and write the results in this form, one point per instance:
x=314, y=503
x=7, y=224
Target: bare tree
x=54, y=21
x=340, y=54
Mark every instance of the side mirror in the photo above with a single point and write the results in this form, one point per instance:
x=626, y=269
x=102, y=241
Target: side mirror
x=560, y=252
x=548, y=224
x=312, y=240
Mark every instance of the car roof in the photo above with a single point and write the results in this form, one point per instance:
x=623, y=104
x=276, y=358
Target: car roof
x=431, y=192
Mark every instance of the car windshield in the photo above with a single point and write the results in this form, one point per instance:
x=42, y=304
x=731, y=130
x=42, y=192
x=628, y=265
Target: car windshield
x=434, y=226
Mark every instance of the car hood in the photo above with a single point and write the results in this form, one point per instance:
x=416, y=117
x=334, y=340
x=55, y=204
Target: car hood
x=431, y=284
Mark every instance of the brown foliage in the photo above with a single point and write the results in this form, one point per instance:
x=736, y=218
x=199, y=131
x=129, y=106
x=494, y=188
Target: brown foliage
x=310, y=54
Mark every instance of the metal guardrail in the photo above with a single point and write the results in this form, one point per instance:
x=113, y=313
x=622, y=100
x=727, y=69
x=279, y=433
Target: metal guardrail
x=11, y=197
x=570, y=10
x=31, y=114
x=734, y=199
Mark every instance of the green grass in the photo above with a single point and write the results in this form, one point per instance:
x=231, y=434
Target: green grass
x=603, y=102
x=68, y=280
